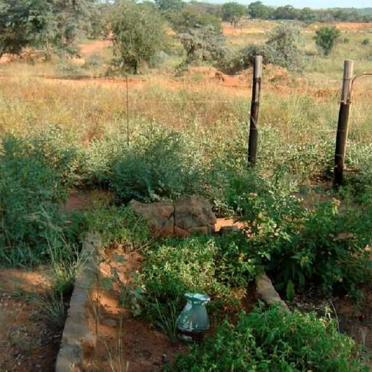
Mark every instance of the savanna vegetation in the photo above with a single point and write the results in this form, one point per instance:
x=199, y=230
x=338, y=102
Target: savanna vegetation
x=150, y=101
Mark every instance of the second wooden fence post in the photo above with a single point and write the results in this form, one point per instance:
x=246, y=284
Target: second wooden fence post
x=343, y=118
x=255, y=105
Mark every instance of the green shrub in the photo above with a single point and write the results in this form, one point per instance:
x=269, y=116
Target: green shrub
x=57, y=149
x=158, y=165
x=326, y=37
x=282, y=47
x=324, y=247
x=214, y=265
x=191, y=17
x=365, y=42
x=138, y=34
x=274, y=340
x=203, y=44
x=118, y=225
x=31, y=192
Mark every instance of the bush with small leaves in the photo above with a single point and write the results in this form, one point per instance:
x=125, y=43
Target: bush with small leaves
x=138, y=34
x=274, y=340
x=325, y=39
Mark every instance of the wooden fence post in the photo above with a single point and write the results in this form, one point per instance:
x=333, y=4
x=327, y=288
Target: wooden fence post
x=343, y=118
x=255, y=106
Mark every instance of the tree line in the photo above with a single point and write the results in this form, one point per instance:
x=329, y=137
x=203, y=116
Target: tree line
x=140, y=31
x=259, y=10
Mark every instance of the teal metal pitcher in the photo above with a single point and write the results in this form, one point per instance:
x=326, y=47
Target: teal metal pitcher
x=194, y=316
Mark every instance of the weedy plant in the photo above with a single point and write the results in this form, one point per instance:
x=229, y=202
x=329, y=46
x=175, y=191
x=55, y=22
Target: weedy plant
x=219, y=266
x=325, y=247
x=118, y=225
x=33, y=183
x=274, y=340
x=154, y=167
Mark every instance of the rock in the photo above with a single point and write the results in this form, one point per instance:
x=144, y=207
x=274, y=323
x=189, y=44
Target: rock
x=109, y=322
x=229, y=229
x=193, y=215
x=159, y=216
x=267, y=292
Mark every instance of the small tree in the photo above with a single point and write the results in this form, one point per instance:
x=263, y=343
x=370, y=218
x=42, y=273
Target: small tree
x=326, y=38
x=232, y=12
x=282, y=47
x=23, y=23
x=42, y=23
x=166, y=5
x=71, y=20
x=259, y=10
x=138, y=34
x=190, y=16
x=203, y=44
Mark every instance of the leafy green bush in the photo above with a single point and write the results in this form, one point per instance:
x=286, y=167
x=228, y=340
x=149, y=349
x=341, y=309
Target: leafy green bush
x=157, y=165
x=325, y=247
x=31, y=191
x=138, y=34
x=274, y=340
x=282, y=47
x=56, y=149
x=118, y=225
x=191, y=17
x=213, y=265
x=203, y=44
x=326, y=37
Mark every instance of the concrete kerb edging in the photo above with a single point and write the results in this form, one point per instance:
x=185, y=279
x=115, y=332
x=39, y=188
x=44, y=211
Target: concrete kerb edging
x=77, y=338
x=267, y=292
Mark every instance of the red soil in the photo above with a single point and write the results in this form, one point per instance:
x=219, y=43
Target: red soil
x=27, y=342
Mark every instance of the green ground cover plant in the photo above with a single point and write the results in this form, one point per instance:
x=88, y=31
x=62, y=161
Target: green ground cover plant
x=33, y=183
x=274, y=340
x=220, y=266
x=118, y=225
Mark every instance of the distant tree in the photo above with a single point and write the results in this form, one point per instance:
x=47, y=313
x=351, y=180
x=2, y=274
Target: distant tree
x=232, y=12
x=259, y=10
x=165, y=5
x=192, y=16
x=209, y=8
x=282, y=47
x=99, y=21
x=24, y=23
x=285, y=12
x=203, y=44
x=72, y=19
x=325, y=39
x=306, y=15
x=42, y=23
x=138, y=34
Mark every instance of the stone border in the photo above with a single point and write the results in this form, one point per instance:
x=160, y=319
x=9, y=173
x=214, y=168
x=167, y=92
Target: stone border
x=268, y=293
x=77, y=339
